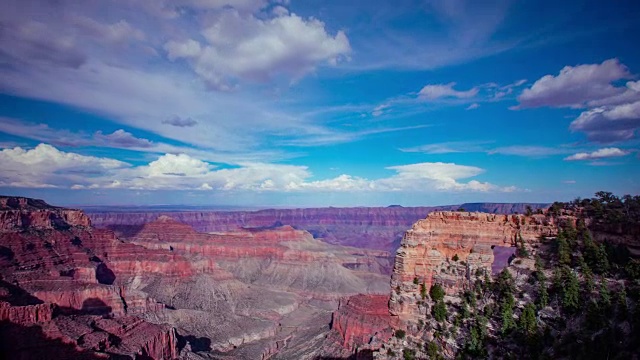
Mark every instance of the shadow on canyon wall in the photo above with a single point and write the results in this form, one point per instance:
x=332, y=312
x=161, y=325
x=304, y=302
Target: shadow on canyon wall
x=16, y=296
x=18, y=342
x=360, y=355
x=91, y=306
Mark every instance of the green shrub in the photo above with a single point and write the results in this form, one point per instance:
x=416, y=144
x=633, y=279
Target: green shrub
x=436, y=292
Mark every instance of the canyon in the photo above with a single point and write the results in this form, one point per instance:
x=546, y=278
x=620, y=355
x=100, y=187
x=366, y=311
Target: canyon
x=281, y=284
x=170, y=291
x=379, y=228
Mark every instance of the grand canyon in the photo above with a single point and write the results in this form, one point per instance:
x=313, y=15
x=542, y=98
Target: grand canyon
x=272, y=284
x=319, y=180
x=282, y=284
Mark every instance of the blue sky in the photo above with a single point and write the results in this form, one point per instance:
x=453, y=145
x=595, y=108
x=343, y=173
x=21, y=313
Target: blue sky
x=293, y=103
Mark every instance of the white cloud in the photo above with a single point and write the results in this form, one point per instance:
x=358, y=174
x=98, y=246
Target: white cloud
x=121, y=139
x=473, y=106
x=530, y=150
x=379, y=110
x=576, y=86
x=598, y=154
x=609, y=124
x=613, y=112
x=433, y=92
x=242, y=46
x=47, y=166
x=178, y=165
x=435, y=177
x=449, y=147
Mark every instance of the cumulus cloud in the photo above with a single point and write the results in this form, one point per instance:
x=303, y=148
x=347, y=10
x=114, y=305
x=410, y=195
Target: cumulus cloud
x=243, y=46
x=576, y=86
x=47, y=166
x=73, y=54
x=609, y=124
x=612, y=111
x=433, y=92
x=121, y=139
x=598, y=154
x=180, y=122
x=177, y=165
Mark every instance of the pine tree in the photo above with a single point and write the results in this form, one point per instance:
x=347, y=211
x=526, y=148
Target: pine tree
x=621, y=301
x=605, y=295
x=571, y=292
x=528, y=324
x=436, y=292
x=564, y=253
x=506, y=315
x=439, y=311
x=543, y=295
x=588, y=280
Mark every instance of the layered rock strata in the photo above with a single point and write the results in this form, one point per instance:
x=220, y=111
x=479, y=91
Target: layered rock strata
x=448, y=248
x=362, y=320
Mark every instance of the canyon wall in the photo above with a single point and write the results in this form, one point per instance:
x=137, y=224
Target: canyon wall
x=365, y=227
x=362, y=320
x=449, y=248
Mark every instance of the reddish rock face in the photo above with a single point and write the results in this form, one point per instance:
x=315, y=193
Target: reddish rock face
x=53, y=264
x=372, y=228
x=426, y=252
x=26, y=315
x=364, y=227
x=361, y=319
x=22, y=213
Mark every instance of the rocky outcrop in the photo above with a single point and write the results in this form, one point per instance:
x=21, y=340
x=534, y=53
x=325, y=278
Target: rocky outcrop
x=361, y=320
x=448, y=248
x=17, y=213
x=26, y=315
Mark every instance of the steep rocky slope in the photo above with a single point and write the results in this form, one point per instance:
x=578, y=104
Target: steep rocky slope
x=248, y=293
x=447, y=248
x=57, y=279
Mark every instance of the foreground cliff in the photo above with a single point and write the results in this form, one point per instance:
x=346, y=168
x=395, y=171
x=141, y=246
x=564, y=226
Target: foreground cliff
x=58, y=280
x=448, y=248
x=558, y=285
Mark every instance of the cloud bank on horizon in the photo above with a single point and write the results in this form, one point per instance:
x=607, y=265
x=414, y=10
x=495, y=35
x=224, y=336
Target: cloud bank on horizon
x=298, y=103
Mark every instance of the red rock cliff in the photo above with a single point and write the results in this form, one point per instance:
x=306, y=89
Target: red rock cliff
x=361, y=318
x=18, y=213
x=425, y=254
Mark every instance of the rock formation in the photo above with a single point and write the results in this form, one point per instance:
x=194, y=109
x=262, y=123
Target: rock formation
x=447, y=248
x=53, y=264
x=362, y=320
x=372, y=228
x=247, y=293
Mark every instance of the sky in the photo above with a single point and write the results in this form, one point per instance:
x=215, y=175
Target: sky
x=295, y=103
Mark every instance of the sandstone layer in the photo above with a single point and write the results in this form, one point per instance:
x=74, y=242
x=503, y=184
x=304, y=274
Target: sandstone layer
x=373, y=228
x=428, y=251
x=362, y=320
